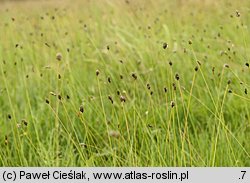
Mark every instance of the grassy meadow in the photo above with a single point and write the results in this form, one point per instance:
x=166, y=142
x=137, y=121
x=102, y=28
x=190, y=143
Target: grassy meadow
x=125, y=83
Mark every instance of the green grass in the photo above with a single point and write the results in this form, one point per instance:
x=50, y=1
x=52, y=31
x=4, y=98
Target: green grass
x=203, y=118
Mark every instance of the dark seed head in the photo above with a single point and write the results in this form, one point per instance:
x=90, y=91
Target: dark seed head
x=150, y=126
x=190, y=42
x=177, y=77
x=47, y=101
x=245, y=91
x=59, y=97
x=6, y=140
x=52, y=93
x=151, y=93
x=83, y=145
x=110, y=98
x=24, y=122
x=81, y=109
x=165, y=90
x=97, y=72
x=148, y=86
x=121, y=76
x=165, y=45
x=122, y=98
x=230, y=91
x=237, y=13
x=247, y=64
x=196, y=68
x=172, y=104
x=68, y=97
x=134, y=75
x=59, y=56
x=226, y=65
x=229, y=82
x=213, y=69
x=9, y=116
x=170, y=63
x=109, y=79
x=118, y=92
x=174, y=86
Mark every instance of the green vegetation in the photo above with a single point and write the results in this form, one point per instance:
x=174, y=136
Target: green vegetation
x=125, y=83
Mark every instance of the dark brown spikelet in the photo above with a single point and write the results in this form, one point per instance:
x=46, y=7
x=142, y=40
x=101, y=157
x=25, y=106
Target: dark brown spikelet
x=174, y=86
x=237, y=13
x=134, y=76
x=59, y=97
x=229, y=82
x=68, y=97
x=24, y=122
x=247, y=64
x=245, y=91
x=213, y=69
x=52, y=93
x=110, y=98
x=177, y=77
x=121, y=76
x=165, y=90
x=59, y=76
x=122, y=98
x=172, y=104
x=97, y=72
x=118, y=92
x=196, y=68
x=148, y=86
x=83, y=145
x=59, y=56
x=230, y=91
x=6, y=140
x=190, y=42
x=108, y=48
x=150, y=126
x=198, y=62
x=47, y=44
x=81, y=109
x=9, y=116
x=165, y=45
x=151, y=93
x=109, y=79
x=170, y=63
x=226, y=65
x=47, y=101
